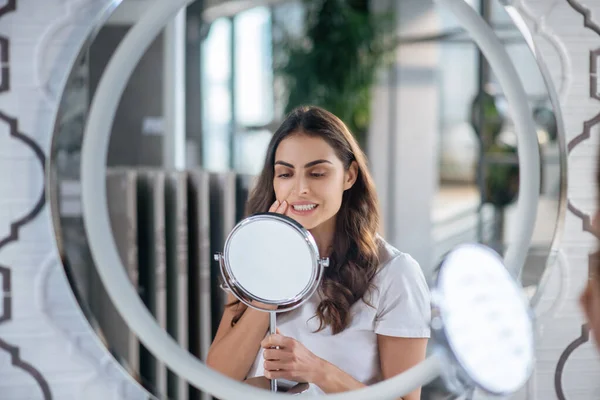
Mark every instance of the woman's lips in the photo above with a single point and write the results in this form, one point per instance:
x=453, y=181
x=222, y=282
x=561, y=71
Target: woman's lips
x=303, y=209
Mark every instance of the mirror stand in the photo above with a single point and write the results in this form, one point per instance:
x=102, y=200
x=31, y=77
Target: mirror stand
x=272, y=331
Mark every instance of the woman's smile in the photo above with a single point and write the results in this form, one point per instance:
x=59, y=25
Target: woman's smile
x=303, y=208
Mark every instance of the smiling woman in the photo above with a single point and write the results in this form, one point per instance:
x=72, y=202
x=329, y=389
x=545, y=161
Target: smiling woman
x=369, y=319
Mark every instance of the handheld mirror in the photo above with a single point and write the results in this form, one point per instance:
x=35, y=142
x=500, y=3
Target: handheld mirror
x=481, y=323
x=271, y=263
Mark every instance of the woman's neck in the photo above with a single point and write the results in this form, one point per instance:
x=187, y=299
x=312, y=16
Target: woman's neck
x=323, y=235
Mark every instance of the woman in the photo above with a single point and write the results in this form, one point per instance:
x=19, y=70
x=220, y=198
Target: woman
x=590, y=297
x=369, y=320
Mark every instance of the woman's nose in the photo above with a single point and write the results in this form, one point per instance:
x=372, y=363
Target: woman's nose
x=301, y=186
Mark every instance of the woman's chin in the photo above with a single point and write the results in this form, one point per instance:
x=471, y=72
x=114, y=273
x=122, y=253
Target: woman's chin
x=307, y=223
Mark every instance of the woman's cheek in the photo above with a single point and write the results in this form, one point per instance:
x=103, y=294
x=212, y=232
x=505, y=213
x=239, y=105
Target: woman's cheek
x=281, y=190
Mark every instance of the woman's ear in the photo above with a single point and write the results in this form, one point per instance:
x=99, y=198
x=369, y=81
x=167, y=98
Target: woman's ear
x=351, y=175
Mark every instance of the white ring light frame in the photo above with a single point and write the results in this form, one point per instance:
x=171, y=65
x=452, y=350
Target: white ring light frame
x=108, y=262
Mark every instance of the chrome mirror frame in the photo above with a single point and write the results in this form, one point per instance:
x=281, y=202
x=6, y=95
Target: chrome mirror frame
x=231, y=284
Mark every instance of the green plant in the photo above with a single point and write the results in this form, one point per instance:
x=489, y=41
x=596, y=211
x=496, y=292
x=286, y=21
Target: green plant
x=334, y=64
x=500, y=176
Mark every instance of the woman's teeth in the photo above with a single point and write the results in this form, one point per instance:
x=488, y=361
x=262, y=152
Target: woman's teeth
x=305, y=207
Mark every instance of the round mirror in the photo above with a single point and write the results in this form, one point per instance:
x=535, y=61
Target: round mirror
x=483, y=317
x=168, y=219
x=271, y=263
x=270, y=259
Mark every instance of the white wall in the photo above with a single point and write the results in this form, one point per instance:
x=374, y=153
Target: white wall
x=403, y=135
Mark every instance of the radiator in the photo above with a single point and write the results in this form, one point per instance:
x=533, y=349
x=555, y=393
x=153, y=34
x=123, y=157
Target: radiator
x=167, y=225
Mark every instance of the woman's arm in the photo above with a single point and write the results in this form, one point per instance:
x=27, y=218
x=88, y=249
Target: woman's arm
x=397, y=354
x=286, y=358
x=234, y=349
x=292, y=360
x=331, y=379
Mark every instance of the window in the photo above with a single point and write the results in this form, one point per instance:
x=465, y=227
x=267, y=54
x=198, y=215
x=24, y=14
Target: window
x=237, y=86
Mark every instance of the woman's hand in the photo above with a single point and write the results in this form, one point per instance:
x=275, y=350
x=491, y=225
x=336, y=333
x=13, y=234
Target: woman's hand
x=279, y=207
x=264, y=306
x=286, y=358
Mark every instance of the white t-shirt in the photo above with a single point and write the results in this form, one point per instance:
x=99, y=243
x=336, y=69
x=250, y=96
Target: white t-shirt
x=401, y=308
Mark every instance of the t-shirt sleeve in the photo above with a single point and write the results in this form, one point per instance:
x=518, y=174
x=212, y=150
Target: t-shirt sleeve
x=403, y=306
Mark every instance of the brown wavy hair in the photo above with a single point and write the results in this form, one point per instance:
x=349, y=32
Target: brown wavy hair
x=354, y=258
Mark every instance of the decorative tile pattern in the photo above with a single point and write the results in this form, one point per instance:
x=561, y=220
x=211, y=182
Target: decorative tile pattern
x=47, y=322
x=594, y=65
x=19, y=363
x=7, y=6
x=4, y=65
x=5, y=310
x=538, y=21
x=588, y=22
x=585, y=135
x=29, y=216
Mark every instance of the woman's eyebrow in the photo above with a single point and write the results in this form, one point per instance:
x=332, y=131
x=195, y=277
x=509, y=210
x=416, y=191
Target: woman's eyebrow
x=285, y=164
x=313, y=163
x=307, y=165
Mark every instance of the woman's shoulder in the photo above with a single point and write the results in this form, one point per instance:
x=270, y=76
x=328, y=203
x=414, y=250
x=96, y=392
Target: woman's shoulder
x=402, y=298
x=394, y=263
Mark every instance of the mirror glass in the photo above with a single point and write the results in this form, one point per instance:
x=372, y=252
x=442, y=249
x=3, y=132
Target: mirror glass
x=486, y=319
x=270, y=260
x=428, y=104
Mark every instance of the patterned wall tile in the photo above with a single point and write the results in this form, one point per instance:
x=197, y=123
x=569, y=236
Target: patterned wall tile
x=19, y=143
x=579, y=350
x=594, y=71
x=4, y=64
x=42, y=322
x=5, y=299
x=7, y=6
x=553, y=48
x=586, y=13
x=566, y=32
x=21, y=149
x=565, y=357
x=18, y=363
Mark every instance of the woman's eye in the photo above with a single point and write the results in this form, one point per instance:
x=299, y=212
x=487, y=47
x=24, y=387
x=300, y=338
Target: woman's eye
x=317, y=174
x=284, y=175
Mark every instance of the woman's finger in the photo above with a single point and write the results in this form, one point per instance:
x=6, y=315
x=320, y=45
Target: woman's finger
x=281, y=374
x=274, y=206
x=274, y=341
x=276, y=365
x=282, y=207
x=277, y=355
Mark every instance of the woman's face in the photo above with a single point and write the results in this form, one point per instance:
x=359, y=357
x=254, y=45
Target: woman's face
x=311, y=178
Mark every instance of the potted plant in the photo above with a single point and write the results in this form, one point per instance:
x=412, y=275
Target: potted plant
x=334, y=63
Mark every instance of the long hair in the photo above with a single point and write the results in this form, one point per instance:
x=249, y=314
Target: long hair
x=354, y=258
